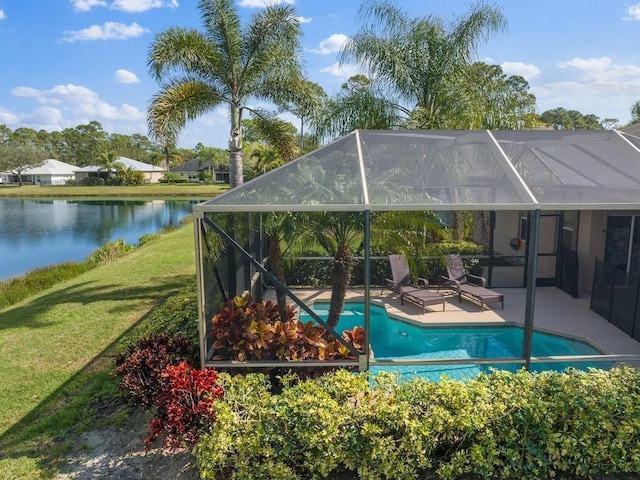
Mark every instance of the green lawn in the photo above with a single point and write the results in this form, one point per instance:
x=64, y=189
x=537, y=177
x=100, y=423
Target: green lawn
x=151, y=190
x=56, y=348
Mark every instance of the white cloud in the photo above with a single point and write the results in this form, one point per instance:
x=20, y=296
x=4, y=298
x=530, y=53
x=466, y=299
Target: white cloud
x=525, y=70
x=87, y=5
x=132, y=6
x=108, y=31
x=592, y=85
x=261, y=3
x=7, y=117
x=3, y=15
x=302, y=19
x=331, y=44
x=77, y=100
x=344, y=71
x=125, y=76
x=47, y=116
x=142, y=5
x=602, y=69
x=634, y=11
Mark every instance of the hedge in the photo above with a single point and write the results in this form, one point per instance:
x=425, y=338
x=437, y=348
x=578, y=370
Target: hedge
x=503, y=425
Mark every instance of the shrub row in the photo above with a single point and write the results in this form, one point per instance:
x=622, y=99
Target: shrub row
x=502, y=425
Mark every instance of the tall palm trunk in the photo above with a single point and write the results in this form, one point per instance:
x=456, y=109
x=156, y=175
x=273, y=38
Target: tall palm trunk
x=236, y=177
x=339, y=276
x=276, y=267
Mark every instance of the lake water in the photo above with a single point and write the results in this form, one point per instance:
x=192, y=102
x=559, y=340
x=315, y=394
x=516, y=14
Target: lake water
x=40, y=232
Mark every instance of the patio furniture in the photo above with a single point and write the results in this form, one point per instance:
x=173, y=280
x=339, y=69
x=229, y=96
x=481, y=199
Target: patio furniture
x=468, y=286
x=401, y=284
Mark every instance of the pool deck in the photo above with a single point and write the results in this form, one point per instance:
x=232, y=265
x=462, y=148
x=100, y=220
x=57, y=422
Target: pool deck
x=554, y=312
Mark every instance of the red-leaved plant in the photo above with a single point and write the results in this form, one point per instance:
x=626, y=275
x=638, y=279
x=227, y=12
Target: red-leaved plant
x=185, y=407
x=141, y=365
x=246, y=330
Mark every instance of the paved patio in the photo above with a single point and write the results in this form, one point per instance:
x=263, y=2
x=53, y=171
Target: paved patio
x=554, y=312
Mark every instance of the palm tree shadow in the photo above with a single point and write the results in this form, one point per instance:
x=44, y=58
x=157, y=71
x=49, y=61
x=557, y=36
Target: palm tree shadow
x=52, y=416
x=33, y=314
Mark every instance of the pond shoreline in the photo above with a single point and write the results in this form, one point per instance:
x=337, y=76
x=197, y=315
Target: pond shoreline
x=195, y=191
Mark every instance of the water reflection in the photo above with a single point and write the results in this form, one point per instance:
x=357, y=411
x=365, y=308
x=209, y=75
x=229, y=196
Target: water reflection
x=39, y=232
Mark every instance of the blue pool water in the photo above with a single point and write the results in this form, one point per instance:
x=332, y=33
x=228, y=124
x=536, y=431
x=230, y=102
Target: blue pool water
x=394, y=339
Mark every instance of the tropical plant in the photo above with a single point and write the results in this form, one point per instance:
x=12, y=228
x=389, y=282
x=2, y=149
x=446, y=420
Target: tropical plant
x=496, y=101
x=226, y=64
x=338, y=234
x=406, y=232
x=280, y=229
x=262, y=159
x=107, y=161
x=245, y=330
x=417, y=62
x=306, y=104
x=359, y=105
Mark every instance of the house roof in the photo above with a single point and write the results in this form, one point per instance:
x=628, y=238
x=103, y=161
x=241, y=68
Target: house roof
x=193, y=165
x=451, y=170
x=52, y=167
x=127, y=162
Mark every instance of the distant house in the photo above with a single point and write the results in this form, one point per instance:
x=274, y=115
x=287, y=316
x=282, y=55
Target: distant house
x=152, y=174
x=191, y=171
x=51, y=172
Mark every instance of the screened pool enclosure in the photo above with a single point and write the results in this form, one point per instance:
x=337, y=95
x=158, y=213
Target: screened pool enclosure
x=526, y=174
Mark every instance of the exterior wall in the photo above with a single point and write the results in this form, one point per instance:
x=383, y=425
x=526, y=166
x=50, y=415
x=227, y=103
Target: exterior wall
x=188, y=176
x=592, y=235
x=153, y=177
x=50, y=179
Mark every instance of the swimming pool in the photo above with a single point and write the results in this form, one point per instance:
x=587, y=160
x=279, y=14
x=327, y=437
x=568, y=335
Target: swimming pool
x=394, y=339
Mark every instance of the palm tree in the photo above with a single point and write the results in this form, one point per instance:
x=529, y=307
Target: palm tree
x=416, y=62
x=225, y=64
x=339, y=234
x=108, y=161
x=358, y=105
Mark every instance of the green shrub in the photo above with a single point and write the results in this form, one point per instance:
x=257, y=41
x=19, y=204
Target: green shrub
x=502, y=425
x=147, y=237
x=178, y=315
x=110, y=251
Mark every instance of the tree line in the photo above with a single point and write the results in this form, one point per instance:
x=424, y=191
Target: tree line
x=421, y=76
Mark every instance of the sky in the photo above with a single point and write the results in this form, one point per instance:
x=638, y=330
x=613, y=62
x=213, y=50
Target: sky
x=68, y=62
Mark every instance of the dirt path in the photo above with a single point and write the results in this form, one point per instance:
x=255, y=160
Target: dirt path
x=118, y=454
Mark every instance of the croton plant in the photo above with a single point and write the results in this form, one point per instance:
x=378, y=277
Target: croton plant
x=246, y=330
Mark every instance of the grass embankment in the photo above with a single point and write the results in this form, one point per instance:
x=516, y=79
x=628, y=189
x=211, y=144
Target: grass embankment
x=56, y=348
x=193, y=190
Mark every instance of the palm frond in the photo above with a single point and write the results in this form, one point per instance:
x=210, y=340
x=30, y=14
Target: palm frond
x=277, y=132
x=181, y=100
x=223, y=30
x=182, y=51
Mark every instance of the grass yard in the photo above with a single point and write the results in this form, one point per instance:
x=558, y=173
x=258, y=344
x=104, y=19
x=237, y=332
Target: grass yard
x=56, y=348
x=194, y=190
